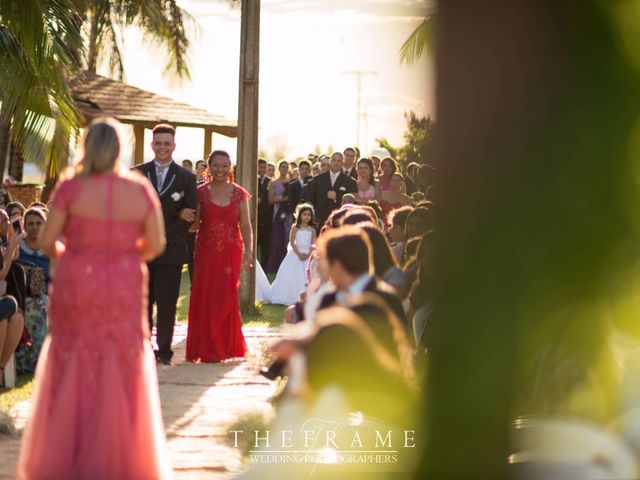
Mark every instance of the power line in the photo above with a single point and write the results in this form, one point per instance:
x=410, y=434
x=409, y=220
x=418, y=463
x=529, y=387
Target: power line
x=359, y=74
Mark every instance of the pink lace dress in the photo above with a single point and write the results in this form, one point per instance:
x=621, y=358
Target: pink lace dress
x=96, y=409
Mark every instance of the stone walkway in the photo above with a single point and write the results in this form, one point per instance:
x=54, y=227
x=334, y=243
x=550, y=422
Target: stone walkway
x=199, y=403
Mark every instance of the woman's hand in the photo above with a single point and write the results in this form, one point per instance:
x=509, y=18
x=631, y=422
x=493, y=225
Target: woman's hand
x=247, y=261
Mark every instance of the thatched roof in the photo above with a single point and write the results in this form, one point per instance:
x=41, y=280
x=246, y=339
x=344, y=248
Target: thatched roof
x=96, y=95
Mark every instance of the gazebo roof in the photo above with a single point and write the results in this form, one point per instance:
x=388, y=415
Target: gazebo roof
x=96, y=95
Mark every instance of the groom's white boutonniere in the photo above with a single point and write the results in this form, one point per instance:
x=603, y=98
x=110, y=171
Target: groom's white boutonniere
x=175, y=196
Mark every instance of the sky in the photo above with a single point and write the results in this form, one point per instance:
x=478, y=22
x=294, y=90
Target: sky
x=305, y=98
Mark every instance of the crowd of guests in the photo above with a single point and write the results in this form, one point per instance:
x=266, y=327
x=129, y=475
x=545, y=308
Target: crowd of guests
x=325, y=183
x=355, y=278
x=24, y=280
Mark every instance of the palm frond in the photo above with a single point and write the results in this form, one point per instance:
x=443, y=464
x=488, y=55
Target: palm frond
x=40, y=40
x=421, y=38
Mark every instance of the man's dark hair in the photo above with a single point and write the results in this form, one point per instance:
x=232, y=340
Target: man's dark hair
x=349, y=246
x=349, y=149
x=304, y=162
x=262, y=161
x=164, y=128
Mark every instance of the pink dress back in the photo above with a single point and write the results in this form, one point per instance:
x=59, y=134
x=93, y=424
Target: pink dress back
x=96, y=408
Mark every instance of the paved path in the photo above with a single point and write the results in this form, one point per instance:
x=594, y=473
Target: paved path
x=199, y=402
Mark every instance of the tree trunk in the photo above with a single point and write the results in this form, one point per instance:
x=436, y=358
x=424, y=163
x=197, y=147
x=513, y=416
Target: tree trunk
x=534, y=206
x=247, y=169
x=4, y=148
x=16, y=163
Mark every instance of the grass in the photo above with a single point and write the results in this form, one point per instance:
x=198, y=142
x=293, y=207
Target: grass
x=9, y=398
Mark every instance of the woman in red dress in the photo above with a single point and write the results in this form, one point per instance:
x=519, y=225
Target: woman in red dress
x=215, y=326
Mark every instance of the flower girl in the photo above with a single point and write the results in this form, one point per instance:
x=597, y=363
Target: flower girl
x=291, y=277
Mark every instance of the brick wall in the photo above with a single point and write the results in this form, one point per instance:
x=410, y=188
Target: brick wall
x=26, y=194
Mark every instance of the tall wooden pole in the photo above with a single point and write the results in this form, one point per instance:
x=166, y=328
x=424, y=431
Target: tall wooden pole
x=247, y=167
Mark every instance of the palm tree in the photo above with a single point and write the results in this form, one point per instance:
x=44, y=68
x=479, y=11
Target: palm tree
x=421, y=37
x=42, y=48
x=162, y=22
x=39, y=41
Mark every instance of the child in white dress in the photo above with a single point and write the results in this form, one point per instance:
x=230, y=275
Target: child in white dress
x=291, y=278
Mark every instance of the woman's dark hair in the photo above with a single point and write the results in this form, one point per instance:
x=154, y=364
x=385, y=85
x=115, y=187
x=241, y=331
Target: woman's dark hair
x=376, y=208
x=394, y=165
x=218, y=153
x=356, y=216
x=372, y=178
x=13, y=205
x=398, y=217
x=350, y=246
x=382, y=257
x=334, y=218
x=361, y=210
x=425, y=216
x=300, y=209
x=410, y=249
x=420, y=292
x=38, y=212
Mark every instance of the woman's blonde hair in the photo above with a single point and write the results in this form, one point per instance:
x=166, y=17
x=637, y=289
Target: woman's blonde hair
x=100, y=148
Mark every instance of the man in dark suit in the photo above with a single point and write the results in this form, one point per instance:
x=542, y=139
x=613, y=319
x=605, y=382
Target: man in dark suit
x=176, y=188
x=346, y=257
x=298, y=188
x=265, y=212
x=350, y=160
x=326, y=189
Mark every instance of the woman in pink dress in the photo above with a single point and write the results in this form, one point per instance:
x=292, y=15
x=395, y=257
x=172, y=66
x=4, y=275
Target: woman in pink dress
x=368, y=186
x=215, y=327
x=96, y=407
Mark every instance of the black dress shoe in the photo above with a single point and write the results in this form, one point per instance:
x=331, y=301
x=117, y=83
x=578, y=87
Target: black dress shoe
x=165, y=361
x=274, y=370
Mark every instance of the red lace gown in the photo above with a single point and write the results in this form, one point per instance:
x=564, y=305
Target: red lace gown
x=96, y=407
x=215, y=326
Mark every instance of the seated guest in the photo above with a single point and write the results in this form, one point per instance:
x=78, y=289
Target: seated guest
x=418, y=223
x=384, y=264
x=15, y=210
x=397, y=219
x=420, y=296
x=201, y=172
x=346, y=255
x=346, y=353
x=360, y=214
x=11, y=318
x=410, y=264
x=348, y=199
x=36, y=265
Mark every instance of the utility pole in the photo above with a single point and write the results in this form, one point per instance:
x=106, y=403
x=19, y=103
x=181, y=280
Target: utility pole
x=359, y=74
x=247, y=165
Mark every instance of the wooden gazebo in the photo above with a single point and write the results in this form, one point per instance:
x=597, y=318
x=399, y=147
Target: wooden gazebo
x=96, y=96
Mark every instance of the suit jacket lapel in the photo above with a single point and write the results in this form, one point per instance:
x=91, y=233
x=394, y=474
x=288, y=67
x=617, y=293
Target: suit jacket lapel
x=151, y=174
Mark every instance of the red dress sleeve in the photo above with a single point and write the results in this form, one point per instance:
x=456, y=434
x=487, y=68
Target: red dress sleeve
x=64, y=193
x=203, y=191
x=239, y=194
